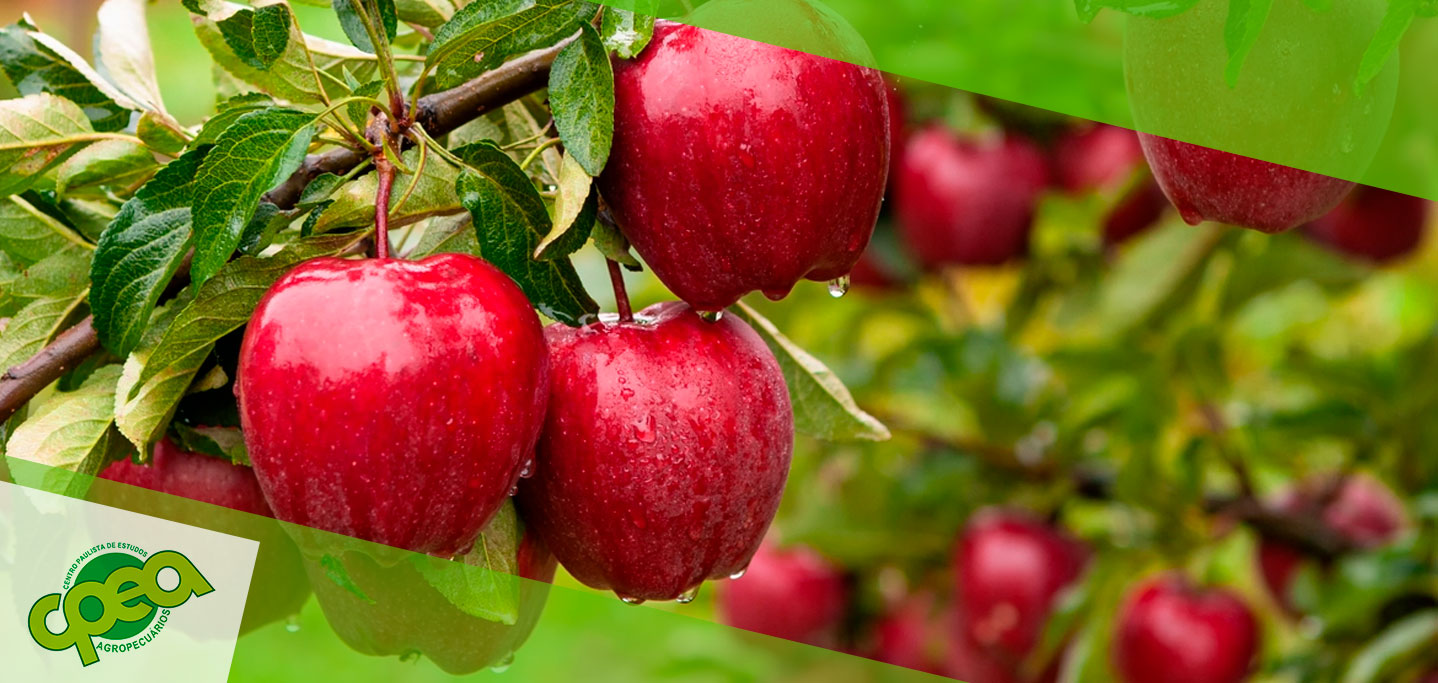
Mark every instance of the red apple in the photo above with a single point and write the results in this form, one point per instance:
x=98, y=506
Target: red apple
x=281, y=589
x=393, y=401
x=1212, y=185
x=1010, y=568
x=1374, y=225
x=790, y=593
x=1363, y=510
x=664, y=453
x=402, y=614
x=971, y=663
x=1170, y=631
x=1106, y=158
x=966, y=201
x=915, y=634
x=195, y=476
x=740, y=166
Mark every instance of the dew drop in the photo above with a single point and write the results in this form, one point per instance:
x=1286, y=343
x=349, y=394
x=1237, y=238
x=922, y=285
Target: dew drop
x=738, y=575
x=292, y=623
x=1190, y=215
x=839, y=286
x=527, y=470
x=513, y=490
x=711, y=316
x=644, y=429
x=503, y=665
x=688, y=596
x=626, y=393
x=631, y=600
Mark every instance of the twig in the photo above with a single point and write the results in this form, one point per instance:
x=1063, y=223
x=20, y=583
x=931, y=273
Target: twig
x=621, y=297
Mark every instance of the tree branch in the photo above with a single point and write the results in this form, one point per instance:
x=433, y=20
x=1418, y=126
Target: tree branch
x=439, y=113
x=1304, y=532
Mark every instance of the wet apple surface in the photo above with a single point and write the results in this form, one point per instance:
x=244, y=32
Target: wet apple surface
x=393, y=401
x=740, y=166
x=665, y=451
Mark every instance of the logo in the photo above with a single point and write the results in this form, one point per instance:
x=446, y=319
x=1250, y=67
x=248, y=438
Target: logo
x=116, y=593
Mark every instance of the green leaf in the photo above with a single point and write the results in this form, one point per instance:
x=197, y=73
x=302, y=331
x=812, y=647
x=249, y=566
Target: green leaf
x=108, y=163
x=1385, y=42
x=483, y=34
x=140, y=251
x=354, y=26
x=252, y=156
x=574, y=212
x=35, y=326
x=228, y=112
x=335, y=571
x=160, y=133
x=626, y=33
x=823, y=407
x=1152, y=9
x=259, y=36
x=358, y=112
x=610, y=242
x=448, y=235
x=225, y=302
x=123, y=56
x=434, y=196
x=38, y=133
x=427, y=13
x=142, y=411
x=319, y=189
x=1240, y=33
x=221, y=442
x=289, y=77
x=485, y=582
x=37, y=63
x=1405, y=641
x=509, y=221
x=28, y=234
x=581, y=95
x=61, y=274
x=75, y=430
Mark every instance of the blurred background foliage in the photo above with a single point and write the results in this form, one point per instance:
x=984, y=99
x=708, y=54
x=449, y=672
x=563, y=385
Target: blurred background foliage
x=1165, y=372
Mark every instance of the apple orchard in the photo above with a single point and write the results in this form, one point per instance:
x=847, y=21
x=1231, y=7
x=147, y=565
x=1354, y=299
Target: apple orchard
x=1114, y=406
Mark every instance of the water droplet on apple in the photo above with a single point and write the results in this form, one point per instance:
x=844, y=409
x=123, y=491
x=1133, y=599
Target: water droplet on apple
x=626, y=393
x=1190, y=215
x=839, y=286
x=631, y=600
x=527, y=470
x=738, y=575
x=513, y=490
x=644, y=428
x=688, y=596
x=292, y=623
x=503, y=665
x=711, y=316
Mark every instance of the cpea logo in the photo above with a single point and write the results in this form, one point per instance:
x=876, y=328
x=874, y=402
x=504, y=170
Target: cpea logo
x=116, y=593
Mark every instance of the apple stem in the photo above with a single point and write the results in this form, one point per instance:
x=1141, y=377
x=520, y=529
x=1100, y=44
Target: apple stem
x=621, y=297
x=385, y=169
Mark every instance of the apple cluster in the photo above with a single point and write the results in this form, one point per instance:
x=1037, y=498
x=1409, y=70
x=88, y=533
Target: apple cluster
x=1009, y=571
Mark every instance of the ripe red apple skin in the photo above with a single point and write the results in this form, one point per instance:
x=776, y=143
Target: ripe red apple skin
x=393, y=401
x=212, y=480
x=740, y=166
x=1363, y=510
x=791, y=593
x=1373, y=225
x=1170, y=631
x=664, y=454
x=195, y=476
x=967, y=202
x=1212, y=185
x=1009, y=569
x=1106, y=158
x=405, y=614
